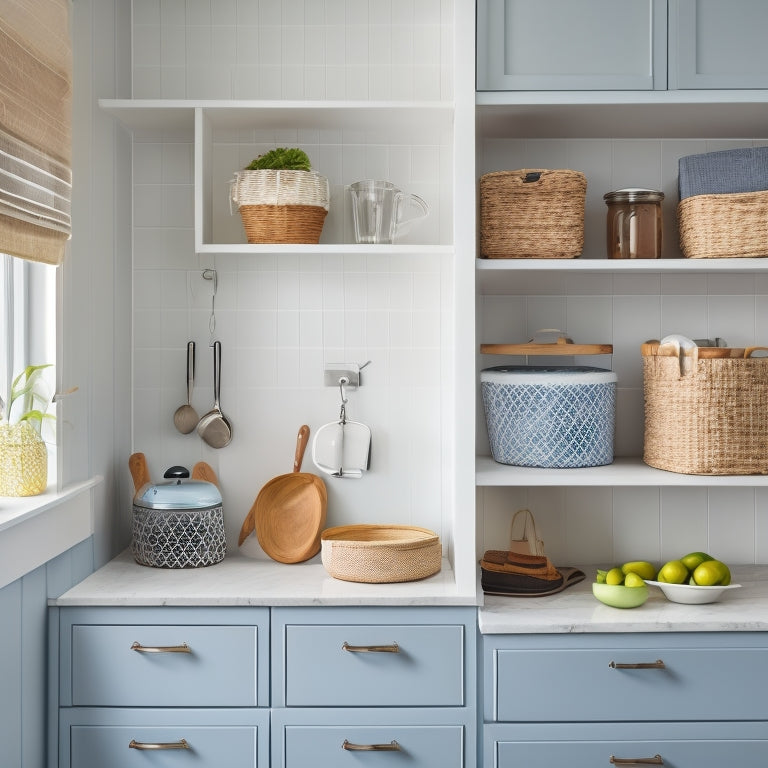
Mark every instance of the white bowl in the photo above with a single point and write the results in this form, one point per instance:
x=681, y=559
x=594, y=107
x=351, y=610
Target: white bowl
x=691, y=594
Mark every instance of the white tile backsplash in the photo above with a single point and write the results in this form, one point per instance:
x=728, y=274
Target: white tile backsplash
x=302, y=49
x=281, y=318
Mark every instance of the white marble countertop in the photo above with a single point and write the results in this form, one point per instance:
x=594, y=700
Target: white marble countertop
x=241, y=580
x=576, y=610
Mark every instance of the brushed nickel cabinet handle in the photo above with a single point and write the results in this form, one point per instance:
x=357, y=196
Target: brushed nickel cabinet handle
x=181, y=744
x=655, y=760
x=393, y=746
x=658, y=664
x=183, y=648
x=394, y=648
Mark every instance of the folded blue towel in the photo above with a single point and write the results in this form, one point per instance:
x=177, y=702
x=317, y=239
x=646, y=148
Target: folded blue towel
x=726, y=172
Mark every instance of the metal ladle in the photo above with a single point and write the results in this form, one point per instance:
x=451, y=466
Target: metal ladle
x=214, y=427
x=185, y=418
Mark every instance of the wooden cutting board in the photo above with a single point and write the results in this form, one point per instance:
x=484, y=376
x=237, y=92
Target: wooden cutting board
x=289, y=512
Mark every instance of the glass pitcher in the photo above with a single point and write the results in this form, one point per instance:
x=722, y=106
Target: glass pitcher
x=380, y=210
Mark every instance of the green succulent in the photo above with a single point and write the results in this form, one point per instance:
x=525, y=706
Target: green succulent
x=281, y=159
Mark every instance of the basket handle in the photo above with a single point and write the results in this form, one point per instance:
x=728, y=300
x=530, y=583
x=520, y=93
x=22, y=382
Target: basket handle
x=749, y=350
x=530, y=534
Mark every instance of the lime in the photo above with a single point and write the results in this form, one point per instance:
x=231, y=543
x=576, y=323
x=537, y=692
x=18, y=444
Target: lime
x=673, y=572
x=642, y=568
x=694, y=559
x=614, y=576
x=633, y=580
x=712, y=573
x=600, y=578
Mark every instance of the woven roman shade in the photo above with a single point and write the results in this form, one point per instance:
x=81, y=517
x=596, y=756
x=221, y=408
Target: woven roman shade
x=35, y=128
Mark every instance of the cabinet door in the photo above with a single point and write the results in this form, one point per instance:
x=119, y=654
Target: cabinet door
x=156, y=665
x=629, y=684
x=683, y=745
x=124, y=747
x=341, y=745
x=163, y=738
x=562, y=45
x=370, y=665
x=718, y=45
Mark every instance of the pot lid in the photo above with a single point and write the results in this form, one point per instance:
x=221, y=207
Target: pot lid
x=634, y=195
x=179, y=492
x=548, y=374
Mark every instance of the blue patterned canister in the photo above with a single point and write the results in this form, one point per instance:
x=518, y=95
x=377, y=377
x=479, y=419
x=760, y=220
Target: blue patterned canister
x=550, y=416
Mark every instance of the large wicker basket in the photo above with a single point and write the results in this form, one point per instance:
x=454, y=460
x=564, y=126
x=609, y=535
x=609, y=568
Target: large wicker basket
x=380, y=553
x=705, y=411
x=281, y=206
x=724, y=225
x=532, y=214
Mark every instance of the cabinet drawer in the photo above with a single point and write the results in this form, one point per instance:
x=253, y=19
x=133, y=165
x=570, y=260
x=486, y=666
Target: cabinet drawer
x=180, y=746
x=683, y=745
x=378, y=665
x=382, y=747
x=178, y=666
x=644, y=683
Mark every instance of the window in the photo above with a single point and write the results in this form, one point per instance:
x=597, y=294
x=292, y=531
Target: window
x=27, y=325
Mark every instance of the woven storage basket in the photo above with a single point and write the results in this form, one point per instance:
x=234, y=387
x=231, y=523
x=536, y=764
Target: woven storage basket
x=532, y=214
x=376, y=554
x=281, y=206
x=724, y=225
x=709, y=419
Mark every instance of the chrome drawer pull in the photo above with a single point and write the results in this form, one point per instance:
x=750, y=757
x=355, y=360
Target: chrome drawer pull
x=393, y=746
x=183, y=648
x=658, y=664
x=394, y=648
x=655, y=760
x=181, y=744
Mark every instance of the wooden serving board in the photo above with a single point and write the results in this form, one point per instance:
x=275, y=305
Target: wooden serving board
x=560, y=347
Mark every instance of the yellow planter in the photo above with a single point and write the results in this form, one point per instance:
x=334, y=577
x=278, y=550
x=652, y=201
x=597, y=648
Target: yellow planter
x=23, y=461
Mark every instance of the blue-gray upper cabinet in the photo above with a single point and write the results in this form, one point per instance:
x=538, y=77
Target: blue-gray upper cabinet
x=561, y=45
x=713, y=44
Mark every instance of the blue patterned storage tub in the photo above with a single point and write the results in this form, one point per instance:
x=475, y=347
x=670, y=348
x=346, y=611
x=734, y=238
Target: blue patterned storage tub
x=550, y=416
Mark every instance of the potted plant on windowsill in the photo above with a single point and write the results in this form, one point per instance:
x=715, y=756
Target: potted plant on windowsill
x=280, y=198
x=23, y=453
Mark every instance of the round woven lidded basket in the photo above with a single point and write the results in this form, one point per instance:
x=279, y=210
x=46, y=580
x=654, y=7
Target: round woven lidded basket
x=532, y=213
x=282, y=206
x=377, y=554
x=705, y=414
x=724, y=225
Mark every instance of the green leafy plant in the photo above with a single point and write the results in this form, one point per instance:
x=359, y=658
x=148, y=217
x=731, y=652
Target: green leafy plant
x=31, y=395
x=281, y=159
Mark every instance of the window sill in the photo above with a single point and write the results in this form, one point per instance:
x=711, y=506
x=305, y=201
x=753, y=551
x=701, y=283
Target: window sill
x=35, y=529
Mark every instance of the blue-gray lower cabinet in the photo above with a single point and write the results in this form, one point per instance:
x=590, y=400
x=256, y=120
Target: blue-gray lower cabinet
x=136, y=687
x=160, y=686
x=676, y=699
x=348, y=682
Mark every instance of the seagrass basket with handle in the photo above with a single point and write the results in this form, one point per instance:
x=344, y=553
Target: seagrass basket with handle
x=705, y=409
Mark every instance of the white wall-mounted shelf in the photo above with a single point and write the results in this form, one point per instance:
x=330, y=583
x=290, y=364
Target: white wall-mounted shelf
x=501, y=275
x=622, y=114
x=398, y=119
x=623, y=472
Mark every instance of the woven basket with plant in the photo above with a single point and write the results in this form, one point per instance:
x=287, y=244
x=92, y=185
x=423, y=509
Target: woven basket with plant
x=280, y=199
